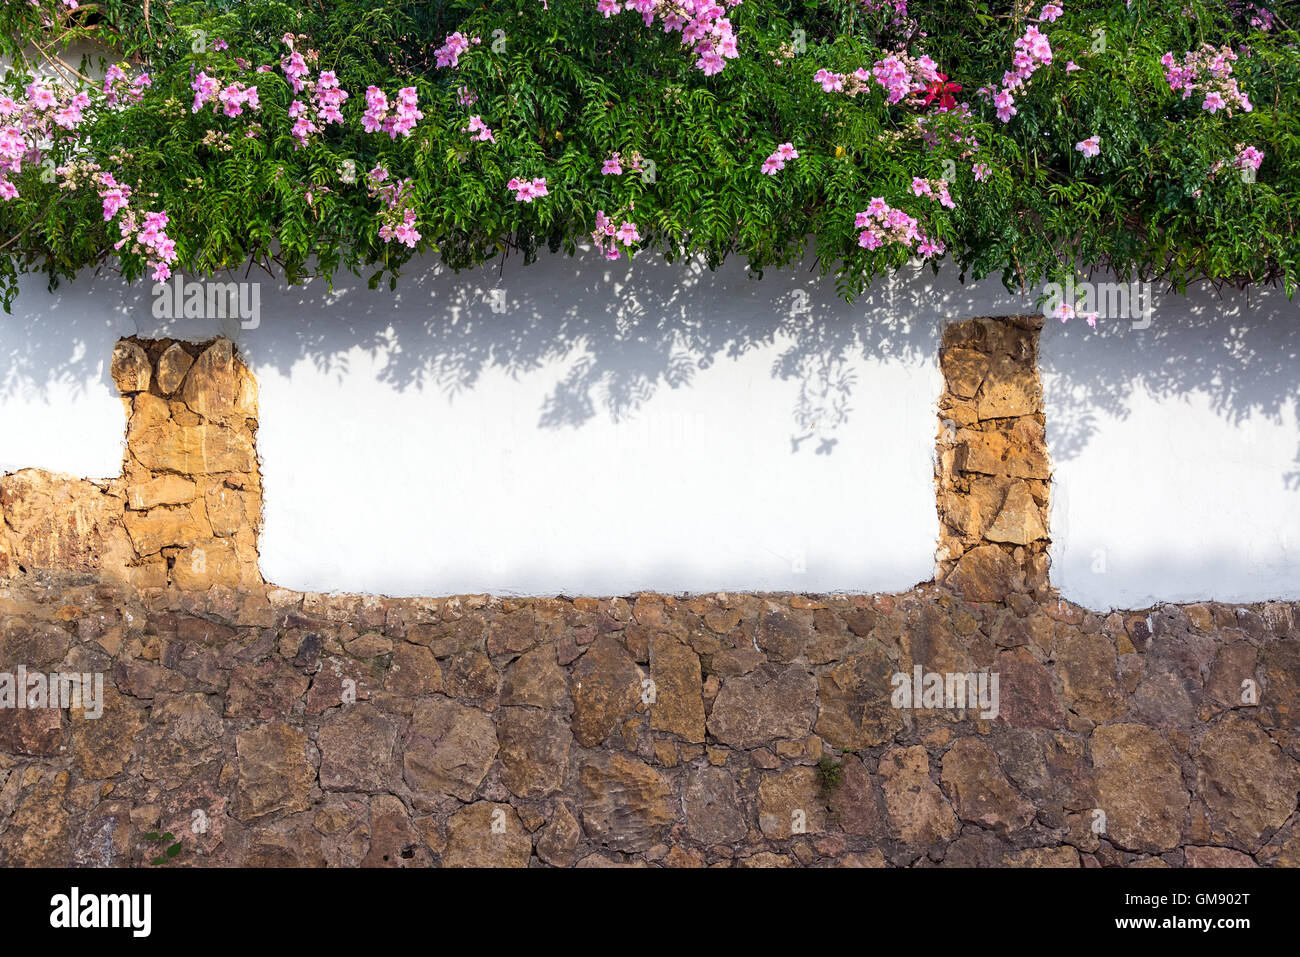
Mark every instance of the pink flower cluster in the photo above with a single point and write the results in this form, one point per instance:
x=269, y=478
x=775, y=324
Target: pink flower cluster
x=45, y=116
x=882, y=224
x=703, y=25
x=1259, y=17
x=1249, y=157
x=1207, y=71
x=115, y=195
x=117, y=90
x=935, y=189
x=607, y=236
x=329, y=98
x=38, y=118
x=527, y=190
x=405, y=114
x=899, y=7
x=776, y=162
x=900, y=75
x=323, y=106
x=1246, y=158
x=149, y=238
x=450, y=52
x=294, y=66
x=1033, y=51
x=230, y=99
x=479, y=130
x=398, y=215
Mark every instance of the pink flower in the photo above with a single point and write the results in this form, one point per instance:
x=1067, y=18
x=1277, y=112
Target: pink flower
x=878, y=208
x=870, y=239
x=920, y=187
x=205, y=88
x=1071, y=66
x=608, y=7
x=1213, y=102
x=115, y=198
x=372, y=121
x=405, y=231
x=710, y=62
x=1089, y=147
x=831, y=82
x=449, y=53
x=406, y=114
x=479, y=129
x=40, y=97
x=12, y=144
x=1003, y=101
x=235, y=96
x=627, y=234
x=1064, y=311
x=295, y=68
x=68, y=117
x=776, y=162
x=612, y=167
x=1250, y=158
x=1050, y=12
x=981, y=172
x=526, y=191
x=7, y=190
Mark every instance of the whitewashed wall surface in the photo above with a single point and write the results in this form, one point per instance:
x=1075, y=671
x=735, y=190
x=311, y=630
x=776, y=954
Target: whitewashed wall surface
x=584, y=427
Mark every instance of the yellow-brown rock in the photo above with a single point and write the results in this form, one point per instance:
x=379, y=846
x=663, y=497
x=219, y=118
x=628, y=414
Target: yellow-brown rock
x=172, y=366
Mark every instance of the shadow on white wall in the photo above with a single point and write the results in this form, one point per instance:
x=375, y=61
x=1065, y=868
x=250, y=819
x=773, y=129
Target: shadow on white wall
x=584, y=426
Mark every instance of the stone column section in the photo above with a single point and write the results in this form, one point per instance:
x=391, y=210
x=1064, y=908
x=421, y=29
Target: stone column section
x=992, y=469
x=186, y=510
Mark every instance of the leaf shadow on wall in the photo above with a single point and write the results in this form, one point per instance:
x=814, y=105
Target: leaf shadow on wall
x=621, y=332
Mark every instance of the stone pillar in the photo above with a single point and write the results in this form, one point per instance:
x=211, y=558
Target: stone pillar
x=992, y=469
x=187, y=508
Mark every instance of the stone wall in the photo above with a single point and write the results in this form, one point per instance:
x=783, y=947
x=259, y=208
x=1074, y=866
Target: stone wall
x=992, y=468
x=263, y=726
x=186, y=509
x=727, y=730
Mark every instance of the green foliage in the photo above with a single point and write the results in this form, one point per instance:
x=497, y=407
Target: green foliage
x=569, y=87
x=830, y=773
x=169, y=852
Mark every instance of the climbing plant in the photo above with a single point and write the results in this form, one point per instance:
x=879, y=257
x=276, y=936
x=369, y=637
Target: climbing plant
x=1158, y=138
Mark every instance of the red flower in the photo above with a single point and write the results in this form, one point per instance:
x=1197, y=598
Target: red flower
x=943, y=92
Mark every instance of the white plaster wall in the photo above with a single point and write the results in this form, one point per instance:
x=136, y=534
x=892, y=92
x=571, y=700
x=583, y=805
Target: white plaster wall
x=1176, y=451
x=620, y=427
x=612, y=427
